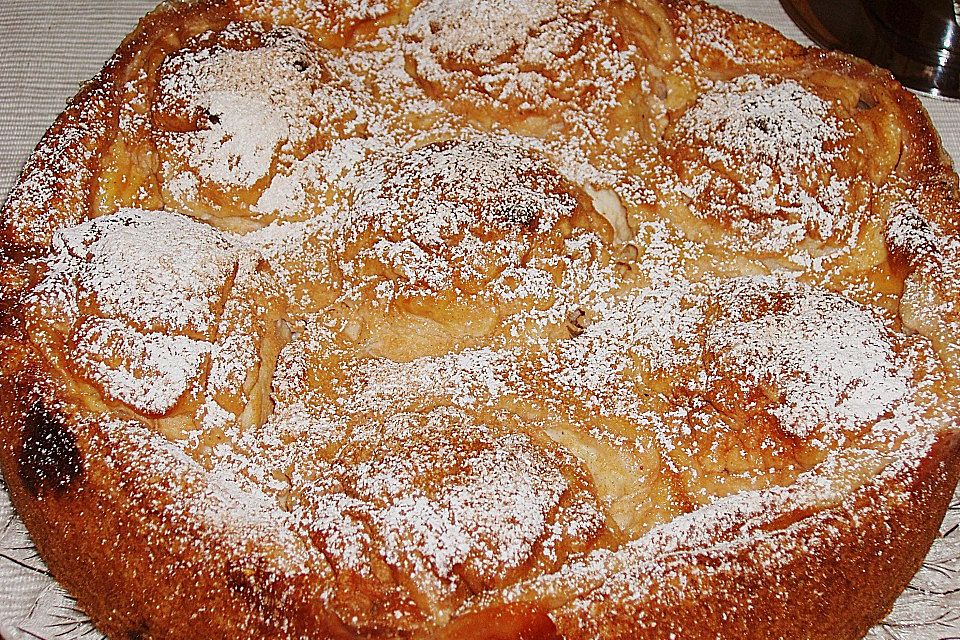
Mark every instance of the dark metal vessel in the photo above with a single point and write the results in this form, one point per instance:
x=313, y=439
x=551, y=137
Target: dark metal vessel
x=918, y=40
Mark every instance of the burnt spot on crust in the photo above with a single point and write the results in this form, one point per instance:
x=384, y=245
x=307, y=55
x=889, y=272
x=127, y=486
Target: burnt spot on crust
x=277, y=597
x=140, y=632
x=49, y=460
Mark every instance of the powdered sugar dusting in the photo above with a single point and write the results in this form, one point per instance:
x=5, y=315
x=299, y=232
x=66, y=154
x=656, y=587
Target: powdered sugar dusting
x=143, y=295
x=762, y=151
x=779, y=123
x=453, y=215
x=430, y=375
x=174, y=282
x=236, y=102
x=148, y=371
x=480, y=32
x=829, y=361
x=450, y=499
x=518, y=56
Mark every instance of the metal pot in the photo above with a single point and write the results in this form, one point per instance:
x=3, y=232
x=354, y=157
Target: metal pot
x=918, y=40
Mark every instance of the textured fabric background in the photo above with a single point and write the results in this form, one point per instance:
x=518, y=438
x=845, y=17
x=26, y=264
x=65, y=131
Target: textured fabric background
x=47, y=48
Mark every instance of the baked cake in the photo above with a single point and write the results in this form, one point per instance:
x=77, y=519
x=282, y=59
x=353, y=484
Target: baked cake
x=481, y=319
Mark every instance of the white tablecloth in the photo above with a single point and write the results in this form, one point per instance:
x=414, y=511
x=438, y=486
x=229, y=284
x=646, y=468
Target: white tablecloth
x=48, y=47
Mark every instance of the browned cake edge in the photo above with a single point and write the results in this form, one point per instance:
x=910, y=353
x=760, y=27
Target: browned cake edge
x=87, y=502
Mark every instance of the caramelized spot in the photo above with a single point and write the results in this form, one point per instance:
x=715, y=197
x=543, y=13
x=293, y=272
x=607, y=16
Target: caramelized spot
x=49, y=460
x=140, y=632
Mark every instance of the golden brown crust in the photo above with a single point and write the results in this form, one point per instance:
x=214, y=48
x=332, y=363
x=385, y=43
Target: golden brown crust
x=834, y=589
x=59, y=174
x=177, y=551
x=92, y=496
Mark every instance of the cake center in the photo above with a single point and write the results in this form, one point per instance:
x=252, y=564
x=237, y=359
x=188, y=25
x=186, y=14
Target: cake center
x=455, y=216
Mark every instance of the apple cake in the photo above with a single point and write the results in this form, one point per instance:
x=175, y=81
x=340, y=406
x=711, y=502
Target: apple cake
x=463, y=319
